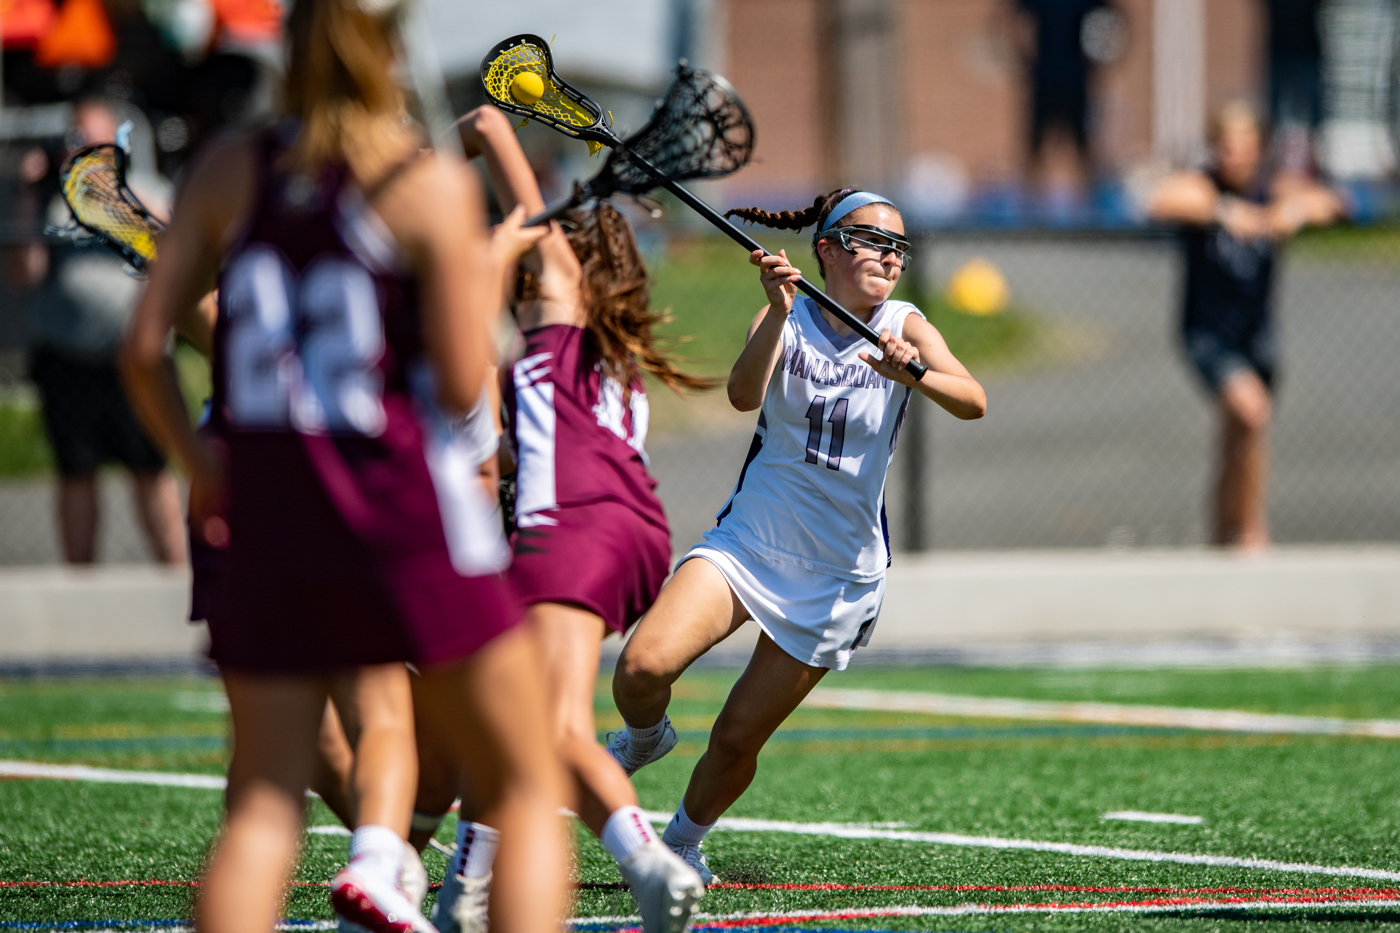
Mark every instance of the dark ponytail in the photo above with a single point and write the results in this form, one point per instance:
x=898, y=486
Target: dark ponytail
x=796, y=220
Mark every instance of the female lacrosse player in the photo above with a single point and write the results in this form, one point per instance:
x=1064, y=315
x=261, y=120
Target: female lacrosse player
x=592, y=545
x=355, y=279
x=801, y=546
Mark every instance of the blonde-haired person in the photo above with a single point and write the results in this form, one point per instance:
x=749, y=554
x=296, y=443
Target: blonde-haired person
x=801, y=546
x=593, y=545
x=1234, y=212
x=356, y=281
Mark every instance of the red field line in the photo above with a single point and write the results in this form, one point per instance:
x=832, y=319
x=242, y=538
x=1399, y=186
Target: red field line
x=1070, y=888
x=1162, y=902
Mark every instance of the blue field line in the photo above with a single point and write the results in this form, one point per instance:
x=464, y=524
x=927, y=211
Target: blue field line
x=959, y=732
x=218, y=743
x=92, y=924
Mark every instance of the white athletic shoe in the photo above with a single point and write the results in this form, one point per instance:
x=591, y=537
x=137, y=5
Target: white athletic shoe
x=665, y=887
x=631, y=759
x=413, y=882
x=693, y=857
x=370, y=903
x=461, y=904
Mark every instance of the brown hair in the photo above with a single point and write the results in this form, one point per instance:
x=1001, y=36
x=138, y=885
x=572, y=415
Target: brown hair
x=798, y=220
x=616, y=299
x=340, y=85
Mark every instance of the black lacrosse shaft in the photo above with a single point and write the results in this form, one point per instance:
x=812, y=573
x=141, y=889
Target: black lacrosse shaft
x=554, y=211
x=914, y=367
x=558, y=209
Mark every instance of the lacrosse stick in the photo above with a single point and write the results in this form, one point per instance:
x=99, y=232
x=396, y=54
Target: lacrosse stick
x=95, y=189
x=701, y=129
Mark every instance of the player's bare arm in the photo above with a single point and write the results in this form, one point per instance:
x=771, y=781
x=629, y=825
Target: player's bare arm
x=434, y=211
x=748, y=380
x=207, y=213
x=487, y=132
x=947, y=382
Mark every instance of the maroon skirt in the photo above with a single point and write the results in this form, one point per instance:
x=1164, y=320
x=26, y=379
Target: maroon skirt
x=602, y=557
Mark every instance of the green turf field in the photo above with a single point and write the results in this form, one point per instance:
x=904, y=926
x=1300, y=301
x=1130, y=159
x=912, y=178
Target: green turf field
x=874, y=820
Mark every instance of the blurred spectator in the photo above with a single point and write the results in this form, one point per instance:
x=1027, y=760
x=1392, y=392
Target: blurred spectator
x=1061, y=41
x=1295, y=79
x=80, y=299
x=1234, y=213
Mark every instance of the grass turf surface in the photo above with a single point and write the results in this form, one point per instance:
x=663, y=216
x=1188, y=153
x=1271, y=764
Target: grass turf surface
x=1315, y=799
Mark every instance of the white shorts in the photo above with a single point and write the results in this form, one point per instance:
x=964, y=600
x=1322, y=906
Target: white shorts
x=816, y=618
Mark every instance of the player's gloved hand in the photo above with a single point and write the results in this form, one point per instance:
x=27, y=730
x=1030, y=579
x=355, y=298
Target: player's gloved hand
x=896, y=353
x=779, y=279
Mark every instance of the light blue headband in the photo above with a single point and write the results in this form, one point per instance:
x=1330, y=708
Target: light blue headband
x=851, y=202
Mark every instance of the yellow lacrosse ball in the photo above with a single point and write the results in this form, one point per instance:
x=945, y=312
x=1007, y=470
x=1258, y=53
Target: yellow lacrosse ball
x=527, y=88
x=978, y=287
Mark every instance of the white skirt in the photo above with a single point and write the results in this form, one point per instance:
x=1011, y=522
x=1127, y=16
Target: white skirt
x=818, y=619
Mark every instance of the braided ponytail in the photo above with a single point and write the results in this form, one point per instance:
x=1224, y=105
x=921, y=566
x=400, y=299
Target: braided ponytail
x=797, y=220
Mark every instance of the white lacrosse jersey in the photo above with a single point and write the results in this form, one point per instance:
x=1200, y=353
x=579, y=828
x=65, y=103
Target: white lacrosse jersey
x=812, y=489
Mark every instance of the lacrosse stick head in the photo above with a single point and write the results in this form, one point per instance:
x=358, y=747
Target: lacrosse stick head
x=700, y=129
x=95, y=189
x=559, y=105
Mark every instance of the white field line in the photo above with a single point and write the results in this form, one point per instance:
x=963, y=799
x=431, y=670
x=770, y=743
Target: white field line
x=1213, y=720
x=738, y=824
x=856, y=831
x=960, y=910
x=1138, y=816
x=33, y=769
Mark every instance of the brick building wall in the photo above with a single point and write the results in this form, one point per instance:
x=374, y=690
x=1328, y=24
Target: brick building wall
x=957, y=84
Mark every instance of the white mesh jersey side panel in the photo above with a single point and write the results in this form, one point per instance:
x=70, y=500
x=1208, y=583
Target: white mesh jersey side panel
x=535, y=439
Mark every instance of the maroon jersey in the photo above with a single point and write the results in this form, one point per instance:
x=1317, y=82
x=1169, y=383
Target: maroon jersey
x=591, y=531
x=578, y=437
x=359, y=532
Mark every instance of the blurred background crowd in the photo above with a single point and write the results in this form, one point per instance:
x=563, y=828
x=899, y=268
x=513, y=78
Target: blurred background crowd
x=1028, y=142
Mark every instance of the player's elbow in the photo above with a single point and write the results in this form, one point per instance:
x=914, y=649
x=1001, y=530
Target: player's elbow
x=741, y=396
x=458, y=395
x=973, y=408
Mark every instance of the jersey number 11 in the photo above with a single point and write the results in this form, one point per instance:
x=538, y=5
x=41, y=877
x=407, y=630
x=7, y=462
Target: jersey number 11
x=815, y=411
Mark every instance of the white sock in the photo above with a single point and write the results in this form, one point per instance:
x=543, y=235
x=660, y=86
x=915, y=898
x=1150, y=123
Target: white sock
x=377, y=850
x=647, y=737
x=683, y=831
x=476, y=849
x=626, y=831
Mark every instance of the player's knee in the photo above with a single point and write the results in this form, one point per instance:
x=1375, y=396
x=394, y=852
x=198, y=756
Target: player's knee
x=731, y=745
x=571, y=733
x=638, y=678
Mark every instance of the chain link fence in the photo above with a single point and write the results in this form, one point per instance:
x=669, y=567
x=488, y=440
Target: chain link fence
x=1097, y=434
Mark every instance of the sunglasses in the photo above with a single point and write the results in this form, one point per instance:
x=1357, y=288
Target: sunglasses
x=878, y=239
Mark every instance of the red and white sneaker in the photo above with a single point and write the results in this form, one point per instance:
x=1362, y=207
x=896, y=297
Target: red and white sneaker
x=369, y=902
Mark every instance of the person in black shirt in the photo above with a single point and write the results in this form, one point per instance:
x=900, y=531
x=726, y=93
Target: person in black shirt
x=1059, y=69
x=1233, y=215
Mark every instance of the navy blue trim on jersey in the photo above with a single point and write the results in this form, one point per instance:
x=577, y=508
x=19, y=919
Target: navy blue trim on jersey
x=840, y=343
x=754, y=448
x=899, y=419
x=885, y=530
